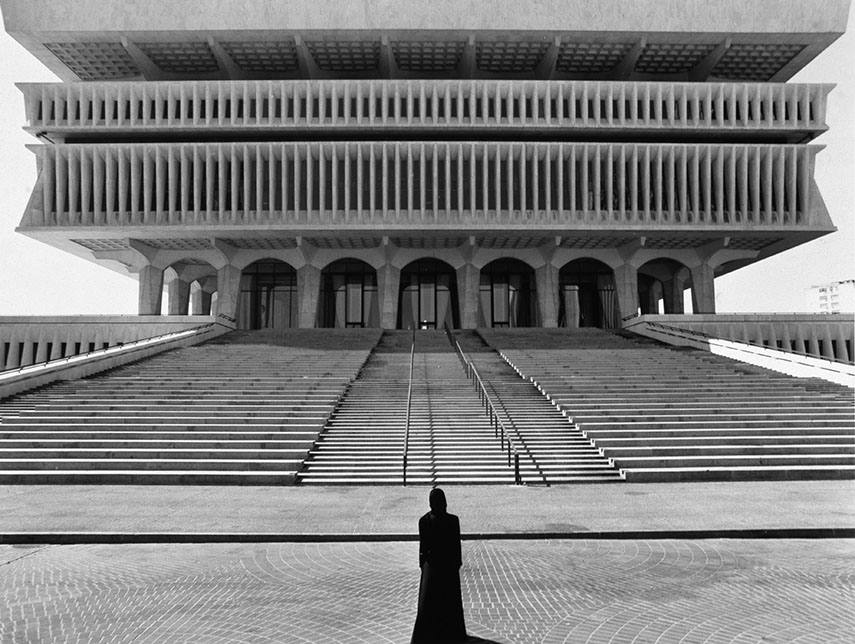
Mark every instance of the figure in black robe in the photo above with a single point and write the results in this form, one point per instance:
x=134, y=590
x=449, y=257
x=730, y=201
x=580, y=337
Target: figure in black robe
x=440, y=616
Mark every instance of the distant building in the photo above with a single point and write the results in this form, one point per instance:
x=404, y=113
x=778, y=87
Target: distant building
x=834, y=297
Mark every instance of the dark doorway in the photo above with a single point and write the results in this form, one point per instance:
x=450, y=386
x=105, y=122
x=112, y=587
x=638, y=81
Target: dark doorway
x=268, y=296
x=428, y=295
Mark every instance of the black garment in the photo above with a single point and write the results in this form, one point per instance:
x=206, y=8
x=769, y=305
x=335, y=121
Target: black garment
x=440, y=616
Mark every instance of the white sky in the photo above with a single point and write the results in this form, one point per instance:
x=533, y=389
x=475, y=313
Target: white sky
x=36, y=279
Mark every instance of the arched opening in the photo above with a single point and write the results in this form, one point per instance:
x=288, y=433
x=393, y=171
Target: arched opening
x=507, y=294
x=587, y=295
x=188, y=286
x=349, y=295
x=662, y=285
x=268, y=296
x=428, y=295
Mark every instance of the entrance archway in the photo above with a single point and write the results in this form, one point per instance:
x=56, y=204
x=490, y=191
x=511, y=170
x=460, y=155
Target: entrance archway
x=428, y=295
x=507, y=293
x=587, y=289
x=183, y=282
x=349, y=295
x=661, y=286
x=268, y=296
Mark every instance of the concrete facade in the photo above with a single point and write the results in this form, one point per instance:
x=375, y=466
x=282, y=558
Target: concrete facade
x=477, y=159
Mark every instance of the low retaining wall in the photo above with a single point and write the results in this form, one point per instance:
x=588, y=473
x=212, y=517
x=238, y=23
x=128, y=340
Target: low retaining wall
x=666, y=329
x=81, y=366
x=831, y=337
x=27, y=340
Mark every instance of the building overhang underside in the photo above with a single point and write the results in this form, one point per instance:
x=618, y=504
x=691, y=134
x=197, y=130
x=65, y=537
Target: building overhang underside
x=725, y=250
x=728, y=40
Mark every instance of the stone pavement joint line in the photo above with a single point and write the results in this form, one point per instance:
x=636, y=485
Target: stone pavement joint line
x=542, y=591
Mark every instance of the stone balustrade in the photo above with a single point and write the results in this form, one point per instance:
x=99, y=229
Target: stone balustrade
x=28, y=340
x=442, y=104
x=831, y=337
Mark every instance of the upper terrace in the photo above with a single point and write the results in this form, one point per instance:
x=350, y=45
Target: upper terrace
x=728, y=40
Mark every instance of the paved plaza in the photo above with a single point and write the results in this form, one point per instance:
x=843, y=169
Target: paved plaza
x=514, y=591
x=354, y=577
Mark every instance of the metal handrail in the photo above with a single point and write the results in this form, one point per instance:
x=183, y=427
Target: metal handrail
x=117, y=349
x=409, y=405
x=499, y=429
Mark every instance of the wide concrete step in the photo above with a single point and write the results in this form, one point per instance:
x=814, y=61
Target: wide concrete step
x=206, y=453
x=188, y=464
x=147, y=477
x=740, y=473
x=747, y=450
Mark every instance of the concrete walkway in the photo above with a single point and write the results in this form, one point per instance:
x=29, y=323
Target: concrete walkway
x=385, y=512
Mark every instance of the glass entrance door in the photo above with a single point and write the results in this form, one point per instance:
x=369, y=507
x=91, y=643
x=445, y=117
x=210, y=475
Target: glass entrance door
x=268, y=296
x=349, y=295
x=428, y=295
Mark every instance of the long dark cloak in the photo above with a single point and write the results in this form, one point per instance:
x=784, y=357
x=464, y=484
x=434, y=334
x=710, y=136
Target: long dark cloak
x=440, y=614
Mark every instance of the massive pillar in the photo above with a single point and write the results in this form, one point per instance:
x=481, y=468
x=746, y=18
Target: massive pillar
x=703, y=288
x=672, y=293
x=151, y=290
x=547, y=295
x=228, y=290
x=388, y=284
x=468, y=282
x=179, y=297
x=308, y=295
x=571, y=305
x=626, y=285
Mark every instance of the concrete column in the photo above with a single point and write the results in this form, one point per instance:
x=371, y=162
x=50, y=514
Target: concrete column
x=179, y=297
x=308, y=294
x=672, y=293
x=228, y=290
x=648, y=301
x=388, y=284
x=151, y=290
x=468, y=281
x=571, y=305
x=547, y=295
x=703, y=288
x=626, y=286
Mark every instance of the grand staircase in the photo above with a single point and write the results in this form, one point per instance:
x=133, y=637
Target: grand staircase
x=664, y=414
x=244, y=409
x=450, y=438
x=556, y=447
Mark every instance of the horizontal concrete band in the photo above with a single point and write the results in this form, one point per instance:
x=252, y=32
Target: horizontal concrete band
x=96, y=107
x=425, y=182
x=769, y=16
x=68, y=538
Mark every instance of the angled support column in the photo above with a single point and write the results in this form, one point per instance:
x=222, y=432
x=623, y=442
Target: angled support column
x=703, y=288
x=308, y=295
x=468, y=277
x=626, y=285
x=388, y=283
x=547, y=295
x=179, y=296
x=151, y=290
x=228, y=290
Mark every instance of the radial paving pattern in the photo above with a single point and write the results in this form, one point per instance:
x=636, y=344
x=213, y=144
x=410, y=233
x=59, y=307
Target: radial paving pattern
x=531, y=591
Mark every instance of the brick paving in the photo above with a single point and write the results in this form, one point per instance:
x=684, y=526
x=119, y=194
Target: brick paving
x=560, y=591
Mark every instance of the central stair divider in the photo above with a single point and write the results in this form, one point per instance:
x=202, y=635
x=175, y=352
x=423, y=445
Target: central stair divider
x=409, y=407
x=496, y=422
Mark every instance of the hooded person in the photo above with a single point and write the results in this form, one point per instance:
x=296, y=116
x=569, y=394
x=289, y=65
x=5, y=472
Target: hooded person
x=440, y=611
